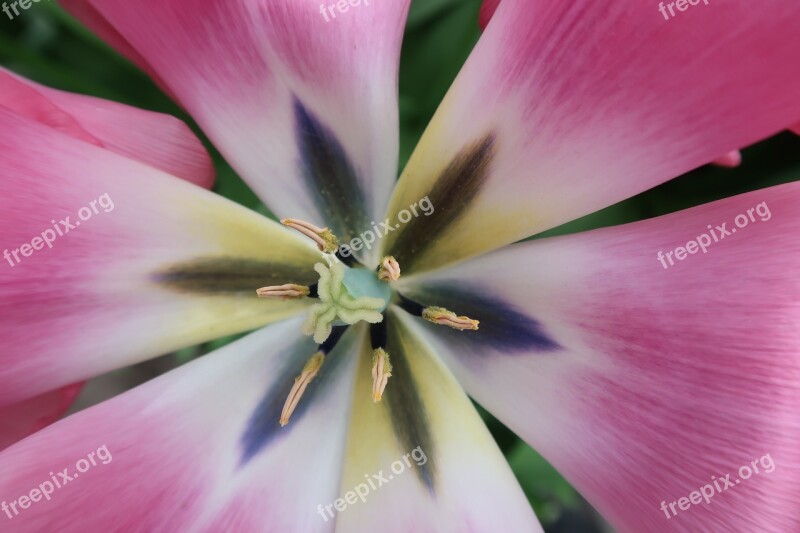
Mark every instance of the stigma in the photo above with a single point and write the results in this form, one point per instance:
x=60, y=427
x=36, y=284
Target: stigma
x=342, y=297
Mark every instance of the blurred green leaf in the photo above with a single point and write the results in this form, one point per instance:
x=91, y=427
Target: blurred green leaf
x=549, y=493
x=433, y=54
x=424, y=10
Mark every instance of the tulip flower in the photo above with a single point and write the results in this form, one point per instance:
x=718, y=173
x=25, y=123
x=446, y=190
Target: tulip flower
x=640, y=384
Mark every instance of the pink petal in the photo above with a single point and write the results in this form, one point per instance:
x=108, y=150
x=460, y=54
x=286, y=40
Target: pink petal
x=158, y=140
x=169, y=454
x=640, y=383
x=583, y=104
x=488, y=7
x=422, y=458
x=87, y=14
x=240, y=67
x=29, y=416
x=154, y=265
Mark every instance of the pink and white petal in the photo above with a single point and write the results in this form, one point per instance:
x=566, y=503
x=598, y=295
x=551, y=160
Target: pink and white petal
x=302, y=103
x=146, y=263
x=156, y=139
x=422, y=457
x=176, y=449
x=640, y=383
x=564, y=108
x=29, y=416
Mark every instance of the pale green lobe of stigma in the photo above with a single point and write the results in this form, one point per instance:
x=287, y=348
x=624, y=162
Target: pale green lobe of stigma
x=346, y=294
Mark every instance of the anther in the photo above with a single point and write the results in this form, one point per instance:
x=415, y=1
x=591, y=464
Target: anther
x=325, y=239
x=284, y=292
x=389, y=269
x=310, y=371
x=381, y=372
x=441, y=316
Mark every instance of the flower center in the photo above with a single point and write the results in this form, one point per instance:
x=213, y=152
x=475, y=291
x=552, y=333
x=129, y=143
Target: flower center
x=345, y=296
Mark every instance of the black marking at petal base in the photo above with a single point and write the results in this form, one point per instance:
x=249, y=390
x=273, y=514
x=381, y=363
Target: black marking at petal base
x=377, y=335
x=263, y=426
x=451, y=196
x=410, y=306
x=330, y=176
x=221, y=275
x=409, y=416
x=503, y=328
x=330, y=343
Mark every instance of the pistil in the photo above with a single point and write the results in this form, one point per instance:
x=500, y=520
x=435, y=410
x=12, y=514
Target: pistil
x=336, y=302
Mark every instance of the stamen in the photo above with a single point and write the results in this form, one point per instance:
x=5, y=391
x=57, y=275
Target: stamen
x=284, y=292
x=389, y=269
x=310, y=371
x=326, y=241
x=381, y=372
x=441, y=316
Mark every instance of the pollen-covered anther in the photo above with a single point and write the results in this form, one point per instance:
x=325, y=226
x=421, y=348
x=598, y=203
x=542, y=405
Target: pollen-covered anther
x=284, y=292
x=389, y=269
x=325, y=239
x=310, y=371
x=444, y=317
x=381, y=372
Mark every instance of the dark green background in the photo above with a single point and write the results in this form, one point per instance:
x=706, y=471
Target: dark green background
x=46, y=45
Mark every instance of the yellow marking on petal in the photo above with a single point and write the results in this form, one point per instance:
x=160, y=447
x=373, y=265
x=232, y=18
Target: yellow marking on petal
x=444, y=317
x=326, y=241
x=284, y=292
x=389, y=270
x=381, y=372
x=310, y=371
